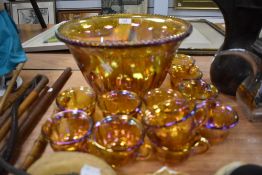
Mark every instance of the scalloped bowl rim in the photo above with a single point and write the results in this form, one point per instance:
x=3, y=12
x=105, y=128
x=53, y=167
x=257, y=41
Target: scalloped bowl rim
x=171, y=38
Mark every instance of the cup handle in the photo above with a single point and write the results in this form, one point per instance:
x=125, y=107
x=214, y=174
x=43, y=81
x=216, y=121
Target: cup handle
x=200, y=114
x=145, y=152
x=201, y=145
x=140, y=115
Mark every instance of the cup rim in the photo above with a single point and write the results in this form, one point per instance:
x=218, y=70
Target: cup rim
x=182, y=56
x=170, y=38
x=59, y=116
x=136, y=109
x=110, y=118
x=169, y=124
x=160, y=90
x=210, y=87
x=228, y=108
x=62, y=108
x=173, y=77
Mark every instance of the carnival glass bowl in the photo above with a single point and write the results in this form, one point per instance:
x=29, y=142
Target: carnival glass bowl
x=124, y=51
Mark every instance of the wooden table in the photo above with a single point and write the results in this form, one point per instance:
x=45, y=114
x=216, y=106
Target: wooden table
x=243, y=144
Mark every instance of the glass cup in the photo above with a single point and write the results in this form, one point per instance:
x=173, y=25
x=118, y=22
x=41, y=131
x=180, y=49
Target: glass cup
x=171, y=125
x=185, y=62
x=154, y=96
x=119, y=140
x=219, y=120
x=68, y=130
x=171, y=157
x=197, y=90
x=120, y=102
x=183, y=68
x=82, y=98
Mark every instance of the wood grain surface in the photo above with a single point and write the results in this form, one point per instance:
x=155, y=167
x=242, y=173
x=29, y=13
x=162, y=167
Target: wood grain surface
x=243, y=144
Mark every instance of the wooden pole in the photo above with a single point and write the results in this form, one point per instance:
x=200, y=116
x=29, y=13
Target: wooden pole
x=25, y=104
x=11, y=85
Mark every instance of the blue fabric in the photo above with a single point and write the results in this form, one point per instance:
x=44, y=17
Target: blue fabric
x=11, y=51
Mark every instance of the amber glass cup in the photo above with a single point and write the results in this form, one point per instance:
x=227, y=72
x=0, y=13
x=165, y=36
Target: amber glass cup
x=68, y=130
x=183, y=68
x=220, y=119
x=171, y=124
x=158, y=95
x=77, y=98
x=172, y=127
x=197, y=90
x=120, y=102
x=124, y=51
x=118, y=139
x=171, y=157
x=184, y=62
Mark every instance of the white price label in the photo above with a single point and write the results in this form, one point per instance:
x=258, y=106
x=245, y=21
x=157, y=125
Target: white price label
x=89, y=170
x=125, y=21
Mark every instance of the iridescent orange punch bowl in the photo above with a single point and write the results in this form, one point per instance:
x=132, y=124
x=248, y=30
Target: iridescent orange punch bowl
x=124, y=51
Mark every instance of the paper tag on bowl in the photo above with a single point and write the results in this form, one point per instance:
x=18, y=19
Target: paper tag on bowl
x=90, y=170
x=124, y=21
